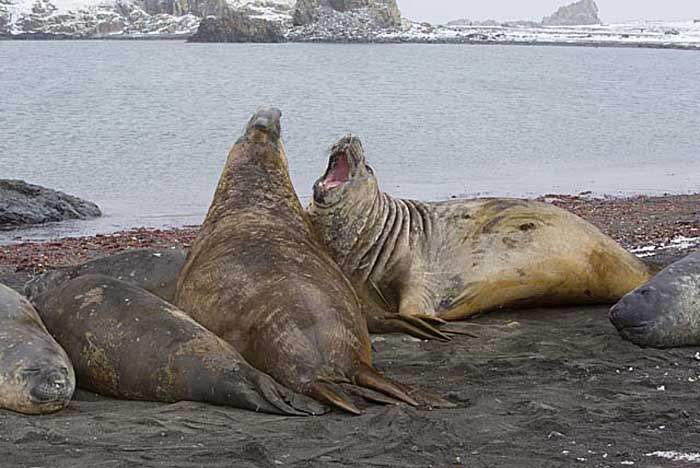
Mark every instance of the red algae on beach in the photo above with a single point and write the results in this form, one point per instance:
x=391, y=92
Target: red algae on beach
x=36, y=257
x=640, y=221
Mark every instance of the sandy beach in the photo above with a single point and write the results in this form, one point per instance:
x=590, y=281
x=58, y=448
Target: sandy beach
x=537, y=388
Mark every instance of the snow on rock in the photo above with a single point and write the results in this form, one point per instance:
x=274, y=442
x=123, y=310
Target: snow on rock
x=316, y=20
x=681, y=34
x=131, y=18
x=382, y=14
x=578, y=13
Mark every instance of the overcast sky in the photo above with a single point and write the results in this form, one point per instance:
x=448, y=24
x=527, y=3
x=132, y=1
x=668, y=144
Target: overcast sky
x=440, y=11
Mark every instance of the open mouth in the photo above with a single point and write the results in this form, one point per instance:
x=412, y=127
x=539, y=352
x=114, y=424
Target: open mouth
x=339, y=171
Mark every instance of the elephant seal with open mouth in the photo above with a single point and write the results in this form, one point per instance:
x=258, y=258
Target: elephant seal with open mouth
x=455, y=259
x=127, y=343
x=36, y=376
x=257, y=277
x=665, y=312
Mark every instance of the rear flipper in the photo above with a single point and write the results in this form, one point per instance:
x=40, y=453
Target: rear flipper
x=271, y=397
x=395, y=323
x=325, y=392
x=368, y=377
x=423, y=327
x=371, y=395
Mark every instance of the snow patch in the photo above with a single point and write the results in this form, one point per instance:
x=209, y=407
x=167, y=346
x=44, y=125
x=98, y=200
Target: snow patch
x=678, y=242
x=676, y=456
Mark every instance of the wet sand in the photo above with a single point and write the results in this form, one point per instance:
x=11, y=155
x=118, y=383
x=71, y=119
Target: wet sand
x=537, y=388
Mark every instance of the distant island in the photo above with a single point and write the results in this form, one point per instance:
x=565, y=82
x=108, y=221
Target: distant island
x=347, y=21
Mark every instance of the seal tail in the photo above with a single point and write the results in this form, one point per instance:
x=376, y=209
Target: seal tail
x=324, y=393
x=368, y=377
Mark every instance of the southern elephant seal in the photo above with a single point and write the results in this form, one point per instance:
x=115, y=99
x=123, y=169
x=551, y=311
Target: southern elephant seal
x=257, y=277
x=153, y=270
x=127, y=343
x=36, y=376
x=665, y=312
x=455, y=259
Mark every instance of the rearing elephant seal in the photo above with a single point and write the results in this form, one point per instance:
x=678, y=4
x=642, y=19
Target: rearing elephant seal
x=458, y=258
x=127, y=343
x=257, y=277
x=36, y=376
x=665, y=312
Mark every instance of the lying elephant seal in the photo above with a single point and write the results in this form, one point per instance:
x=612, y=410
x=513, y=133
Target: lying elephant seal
x=153, y=270
x=36, y=376
x=257, y=277
x=665, y=312
x=455, y=259
x=127, y=343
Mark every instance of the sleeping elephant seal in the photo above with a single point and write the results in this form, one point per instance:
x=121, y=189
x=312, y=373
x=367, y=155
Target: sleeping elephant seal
x=455, y=259
x=257, y=277
x=153, y=270
x=665, y=312
x=127, y=343
x=36, y=376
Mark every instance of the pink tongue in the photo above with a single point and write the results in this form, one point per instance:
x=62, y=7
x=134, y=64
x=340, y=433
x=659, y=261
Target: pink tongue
x=339, y=173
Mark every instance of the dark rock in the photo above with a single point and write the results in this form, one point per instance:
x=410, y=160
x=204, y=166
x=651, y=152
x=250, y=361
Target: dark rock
x=237, y=27
x=23, y=204
x=578, y=13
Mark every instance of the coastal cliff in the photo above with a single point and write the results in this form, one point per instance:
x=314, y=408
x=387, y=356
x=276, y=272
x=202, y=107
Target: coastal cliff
x=222, y=20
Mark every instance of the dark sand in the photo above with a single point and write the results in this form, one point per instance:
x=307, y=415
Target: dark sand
x=537, y=388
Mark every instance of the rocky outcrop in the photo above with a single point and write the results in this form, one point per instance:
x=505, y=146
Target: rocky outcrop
x=4, y=18
x=227, y=20
x=24, y=204
x=575, y=14
x=238, y=27
x=200, y=8
x=384, y=14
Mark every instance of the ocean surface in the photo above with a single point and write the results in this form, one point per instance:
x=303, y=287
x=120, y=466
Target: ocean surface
x=143, y=127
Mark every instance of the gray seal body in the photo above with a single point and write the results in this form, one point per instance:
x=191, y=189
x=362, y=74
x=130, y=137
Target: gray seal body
x=153, y=270
x=127, y=343
x=664, y=312
x=36, y=376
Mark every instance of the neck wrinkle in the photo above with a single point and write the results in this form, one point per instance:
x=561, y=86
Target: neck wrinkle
x=379, y=236
x=358, y=224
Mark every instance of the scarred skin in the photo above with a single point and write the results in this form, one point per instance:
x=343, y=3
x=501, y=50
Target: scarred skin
x=459, y=258
x=127, y=343
x=257, y=277
x=36, y=376
x=665, y=312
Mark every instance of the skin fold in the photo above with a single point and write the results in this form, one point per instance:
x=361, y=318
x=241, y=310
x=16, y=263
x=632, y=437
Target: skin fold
x=452, y=260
